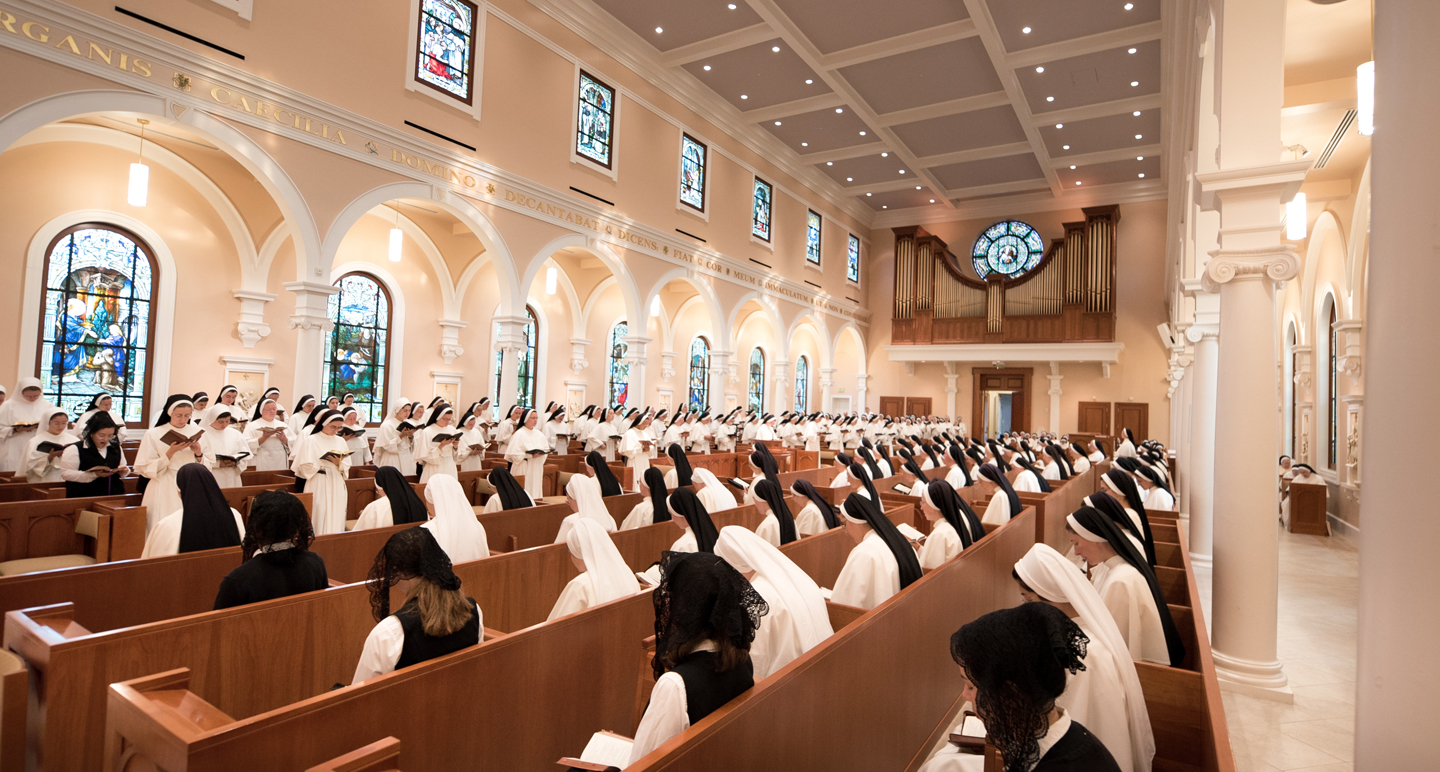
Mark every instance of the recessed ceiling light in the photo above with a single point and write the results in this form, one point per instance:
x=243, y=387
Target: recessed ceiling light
x=884, y=155
x=1067, y=147
x=1077, y=182
x=829, y=163
x=1132, y=51
x=885, y=206
x=707, y=68
x=804, y=144
x=932, y=200
x=1139, y=136
x=1139, y=157
x=862, y=133
x=1039, y=69
x=1049, y=99
x=744, y=96
x=1136, y=113
x=1134, y=83
x=1129, y=6
x=777, y=123
x=809, y=81
x=732, y=6
x=849, y=179
x=869, y=194
x=658, y=30
x=1072, y=166
x=839, y=109
x=902, y=171
x=1059, y=125
x=1142, y=174
x=1025, y=30
x=917, y=187
x=776, y=49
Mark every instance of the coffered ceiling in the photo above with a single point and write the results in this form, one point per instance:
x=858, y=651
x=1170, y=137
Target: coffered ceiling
x=926, y=104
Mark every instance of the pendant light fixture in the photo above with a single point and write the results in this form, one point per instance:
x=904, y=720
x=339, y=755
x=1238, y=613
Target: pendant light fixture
x=551, y=277
x=1295, y=218
x=655, y=306
x=1365, y=86
x=396, y=237
x=139, y=188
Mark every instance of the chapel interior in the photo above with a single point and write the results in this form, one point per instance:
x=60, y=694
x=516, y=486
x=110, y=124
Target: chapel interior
x=1082, y=224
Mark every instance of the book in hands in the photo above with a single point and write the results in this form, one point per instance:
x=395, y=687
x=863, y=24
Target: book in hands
x=24, y=426
x=739, y=483
x=605, y=751
x=971, y=736
x=442, y=437
x=617, y=437
x=51, y=447
x=538, y=452
x=235, y=459
x=337, y=455
x=173, y=437
x=347, y=432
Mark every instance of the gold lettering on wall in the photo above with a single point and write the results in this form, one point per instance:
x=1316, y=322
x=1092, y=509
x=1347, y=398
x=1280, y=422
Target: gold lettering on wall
x=85, y=49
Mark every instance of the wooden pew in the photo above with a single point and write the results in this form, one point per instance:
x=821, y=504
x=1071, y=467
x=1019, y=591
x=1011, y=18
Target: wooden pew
x=1052, y=508
x=44, y=527
x=1307, y=508
x=519, y=529
x=14, y=696
x=379, y=756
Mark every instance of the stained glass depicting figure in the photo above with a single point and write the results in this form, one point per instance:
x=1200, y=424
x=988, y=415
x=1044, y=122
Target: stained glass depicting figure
x=96, y=327
x=802, y=384
x=760, y=216
x=597, y=117
x=852, y=260
x=699, y=374
x=757, y=380
x=525, y=372
x=357, y=351
x=618, y=379
x=692, y=172
x=1010, y=248
x=812, y=237
x=447, y=39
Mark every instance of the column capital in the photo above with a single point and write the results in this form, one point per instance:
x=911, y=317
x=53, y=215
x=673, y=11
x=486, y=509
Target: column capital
x=1275, y=263
x=1198, y=332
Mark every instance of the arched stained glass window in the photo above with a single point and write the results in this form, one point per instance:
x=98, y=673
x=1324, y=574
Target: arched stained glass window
x=699, y=373
x=1333, y=397
x=525, y=373
x=1010, y=248
x=96, y=322
x=802, y=384
x=618, y=379
x=447, y=47
x=357, y=352
x=757, y=380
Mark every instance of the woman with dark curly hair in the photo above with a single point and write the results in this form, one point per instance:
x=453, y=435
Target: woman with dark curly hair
x=1015, y=662
x=278, y=561
x=436, y=618
x=706, y=615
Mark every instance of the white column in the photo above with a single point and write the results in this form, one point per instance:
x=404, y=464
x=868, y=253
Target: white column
x=1201, y=485
x=1304, y=402
x=862, y=380
x=635, y=346
x=1184, y=449
x=1055, y=379
x=450, y=348
x=950, y=389
x=719, y=372
x=311, y=322
x=510, y=341
x=1399, y=607
x=781, y=387
x=252, y=327
x=827, y=386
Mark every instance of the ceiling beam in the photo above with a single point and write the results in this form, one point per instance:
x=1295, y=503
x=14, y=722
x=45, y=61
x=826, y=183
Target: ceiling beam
x=975, y=154
x=995, y=48
x=1090, y=44
x=845, y=153
x=1105, y=156
x=720, y=44
x=887, y=187
x=940, y=109
x=911, y=41
x=1099, y=110
x=998, y=188
x=795, y=107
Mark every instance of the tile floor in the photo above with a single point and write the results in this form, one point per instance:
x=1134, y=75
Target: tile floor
x=1319, y=579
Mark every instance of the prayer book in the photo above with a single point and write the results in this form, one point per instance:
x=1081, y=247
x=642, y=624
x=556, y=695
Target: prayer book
x=538, y=452
x=971, y=736
x=173, y=437
x=338, y=455
x=909, y=532
x=22, y=425
x=739, y=483
x=407, y=426
x=617, y=437
x=901, y=488
x=49, y=447
x=346, y=431
x=605, y=751
x=232, y=459
x=442, y=437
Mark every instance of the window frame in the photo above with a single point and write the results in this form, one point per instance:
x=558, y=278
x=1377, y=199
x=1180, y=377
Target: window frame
x=610, y=359
x=690, y=373
x=702, y=211
x=149, y=252
x=859, y=259
x=768, y=243
x=819, y=220
x=472, y=106
x=328, y=350
x=750, y=382
x=610, y=169
x=802, y=384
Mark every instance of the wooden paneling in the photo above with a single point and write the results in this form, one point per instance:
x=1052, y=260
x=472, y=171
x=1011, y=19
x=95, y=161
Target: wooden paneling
x=1094, y=418
x=39, y=528
x=892, y=406
x=917, y=406
x=1016, y=379
x=1034, y=329
x=1307, y=509
x=1134, y=416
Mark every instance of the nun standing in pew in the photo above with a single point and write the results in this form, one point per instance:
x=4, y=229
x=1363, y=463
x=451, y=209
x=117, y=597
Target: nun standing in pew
x=42, y=453
x=396, y=502
x=778, y=527
x=472, y=442
x=391, y=449
x=1005, y=504
x=1105, y=695
x=354, y=434
x=652, y=509
x=526, y=453
x=706, y=619
x=304, y=412
x=226, y=451
x=508, y=493
x=100, y=403
x=798, y=619
x=436, y=618
x=205, y=520
x=954, y=526
x=278, y=562
x=455, y=527
x=158, y=461
x=582, y=493
x=323, y=461
x=882, y=563
x=817, y=516
x=1127, y=585
x=95, y=466
x=438, y=456
x=604, y=576
x=635, y=448
x=21, y=417
x=268, y=437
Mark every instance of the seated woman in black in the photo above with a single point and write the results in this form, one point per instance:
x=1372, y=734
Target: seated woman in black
x=706, y=615
x=1015, y=662
x=435, y=620
x=278, y=561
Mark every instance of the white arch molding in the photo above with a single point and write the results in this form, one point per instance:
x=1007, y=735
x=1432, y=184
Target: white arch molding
x=33, y=280
x=704, y=291
x=396, y=360
x=599, y=250
x=772, y=314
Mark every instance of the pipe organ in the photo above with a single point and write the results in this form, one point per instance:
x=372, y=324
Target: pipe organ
x=1068, y=297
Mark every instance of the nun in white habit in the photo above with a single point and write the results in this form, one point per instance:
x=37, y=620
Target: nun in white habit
x=882, y=562
x=268, y=437
x=711, y=492
x=604, y=435
x=44, y=465
x=604, y=576
x=100, y=403
x=436, y=455
x=472, y=443
x=221, y=439
x=1005, y=504
x=582, y=493
x=390, y=448
x=20, y=419
x=797, y=621
x=1105, y=697
x=636, y=449
x=455, y=526
x=323, y=460
x=355, y=439
x=526, y=454
x=158, y=461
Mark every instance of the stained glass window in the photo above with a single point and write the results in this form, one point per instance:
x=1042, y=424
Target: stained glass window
x=802, y=384
x=95, y=332
x=597, y=119
x=447, y=47
x=757, y=380
x=760, y=213
x=525, y=372
x=1010, y=248
x=852, y=260
x=692, y=172
x=357, y=353
x=699, y=373
x=1334, y=382
x=812, y=237
x=618, y=380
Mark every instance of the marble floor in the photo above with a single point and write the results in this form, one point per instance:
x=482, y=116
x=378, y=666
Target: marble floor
x=1319, y=578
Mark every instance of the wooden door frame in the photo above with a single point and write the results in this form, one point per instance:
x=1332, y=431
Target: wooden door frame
x=1109, y=416
x=977, y=397
x=1142, y=433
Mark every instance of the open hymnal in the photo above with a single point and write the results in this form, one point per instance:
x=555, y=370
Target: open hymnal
x=232, y=459
x=406, y=426
x=617, y=437
x=443, y=437
x=606, y=750
x=970, y=735
x=50, y=447
x=538, y=452
x=338, y=455
x=347, y=432
x=900, y=489
x=910, y=532
x=739, y=483
x=21, y=426
x=173, y=437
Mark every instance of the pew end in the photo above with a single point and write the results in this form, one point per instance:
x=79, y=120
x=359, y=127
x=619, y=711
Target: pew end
x=157, y=718
x=842, y=615
x=646, y=682
x=379, y=756
x=14, y=709
x=31, y=632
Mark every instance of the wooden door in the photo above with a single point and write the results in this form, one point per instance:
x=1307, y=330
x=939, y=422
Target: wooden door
x=1094, y=418
x=892, y=406
x=917, y=406
x=1134, y=416
x=1013, y=379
